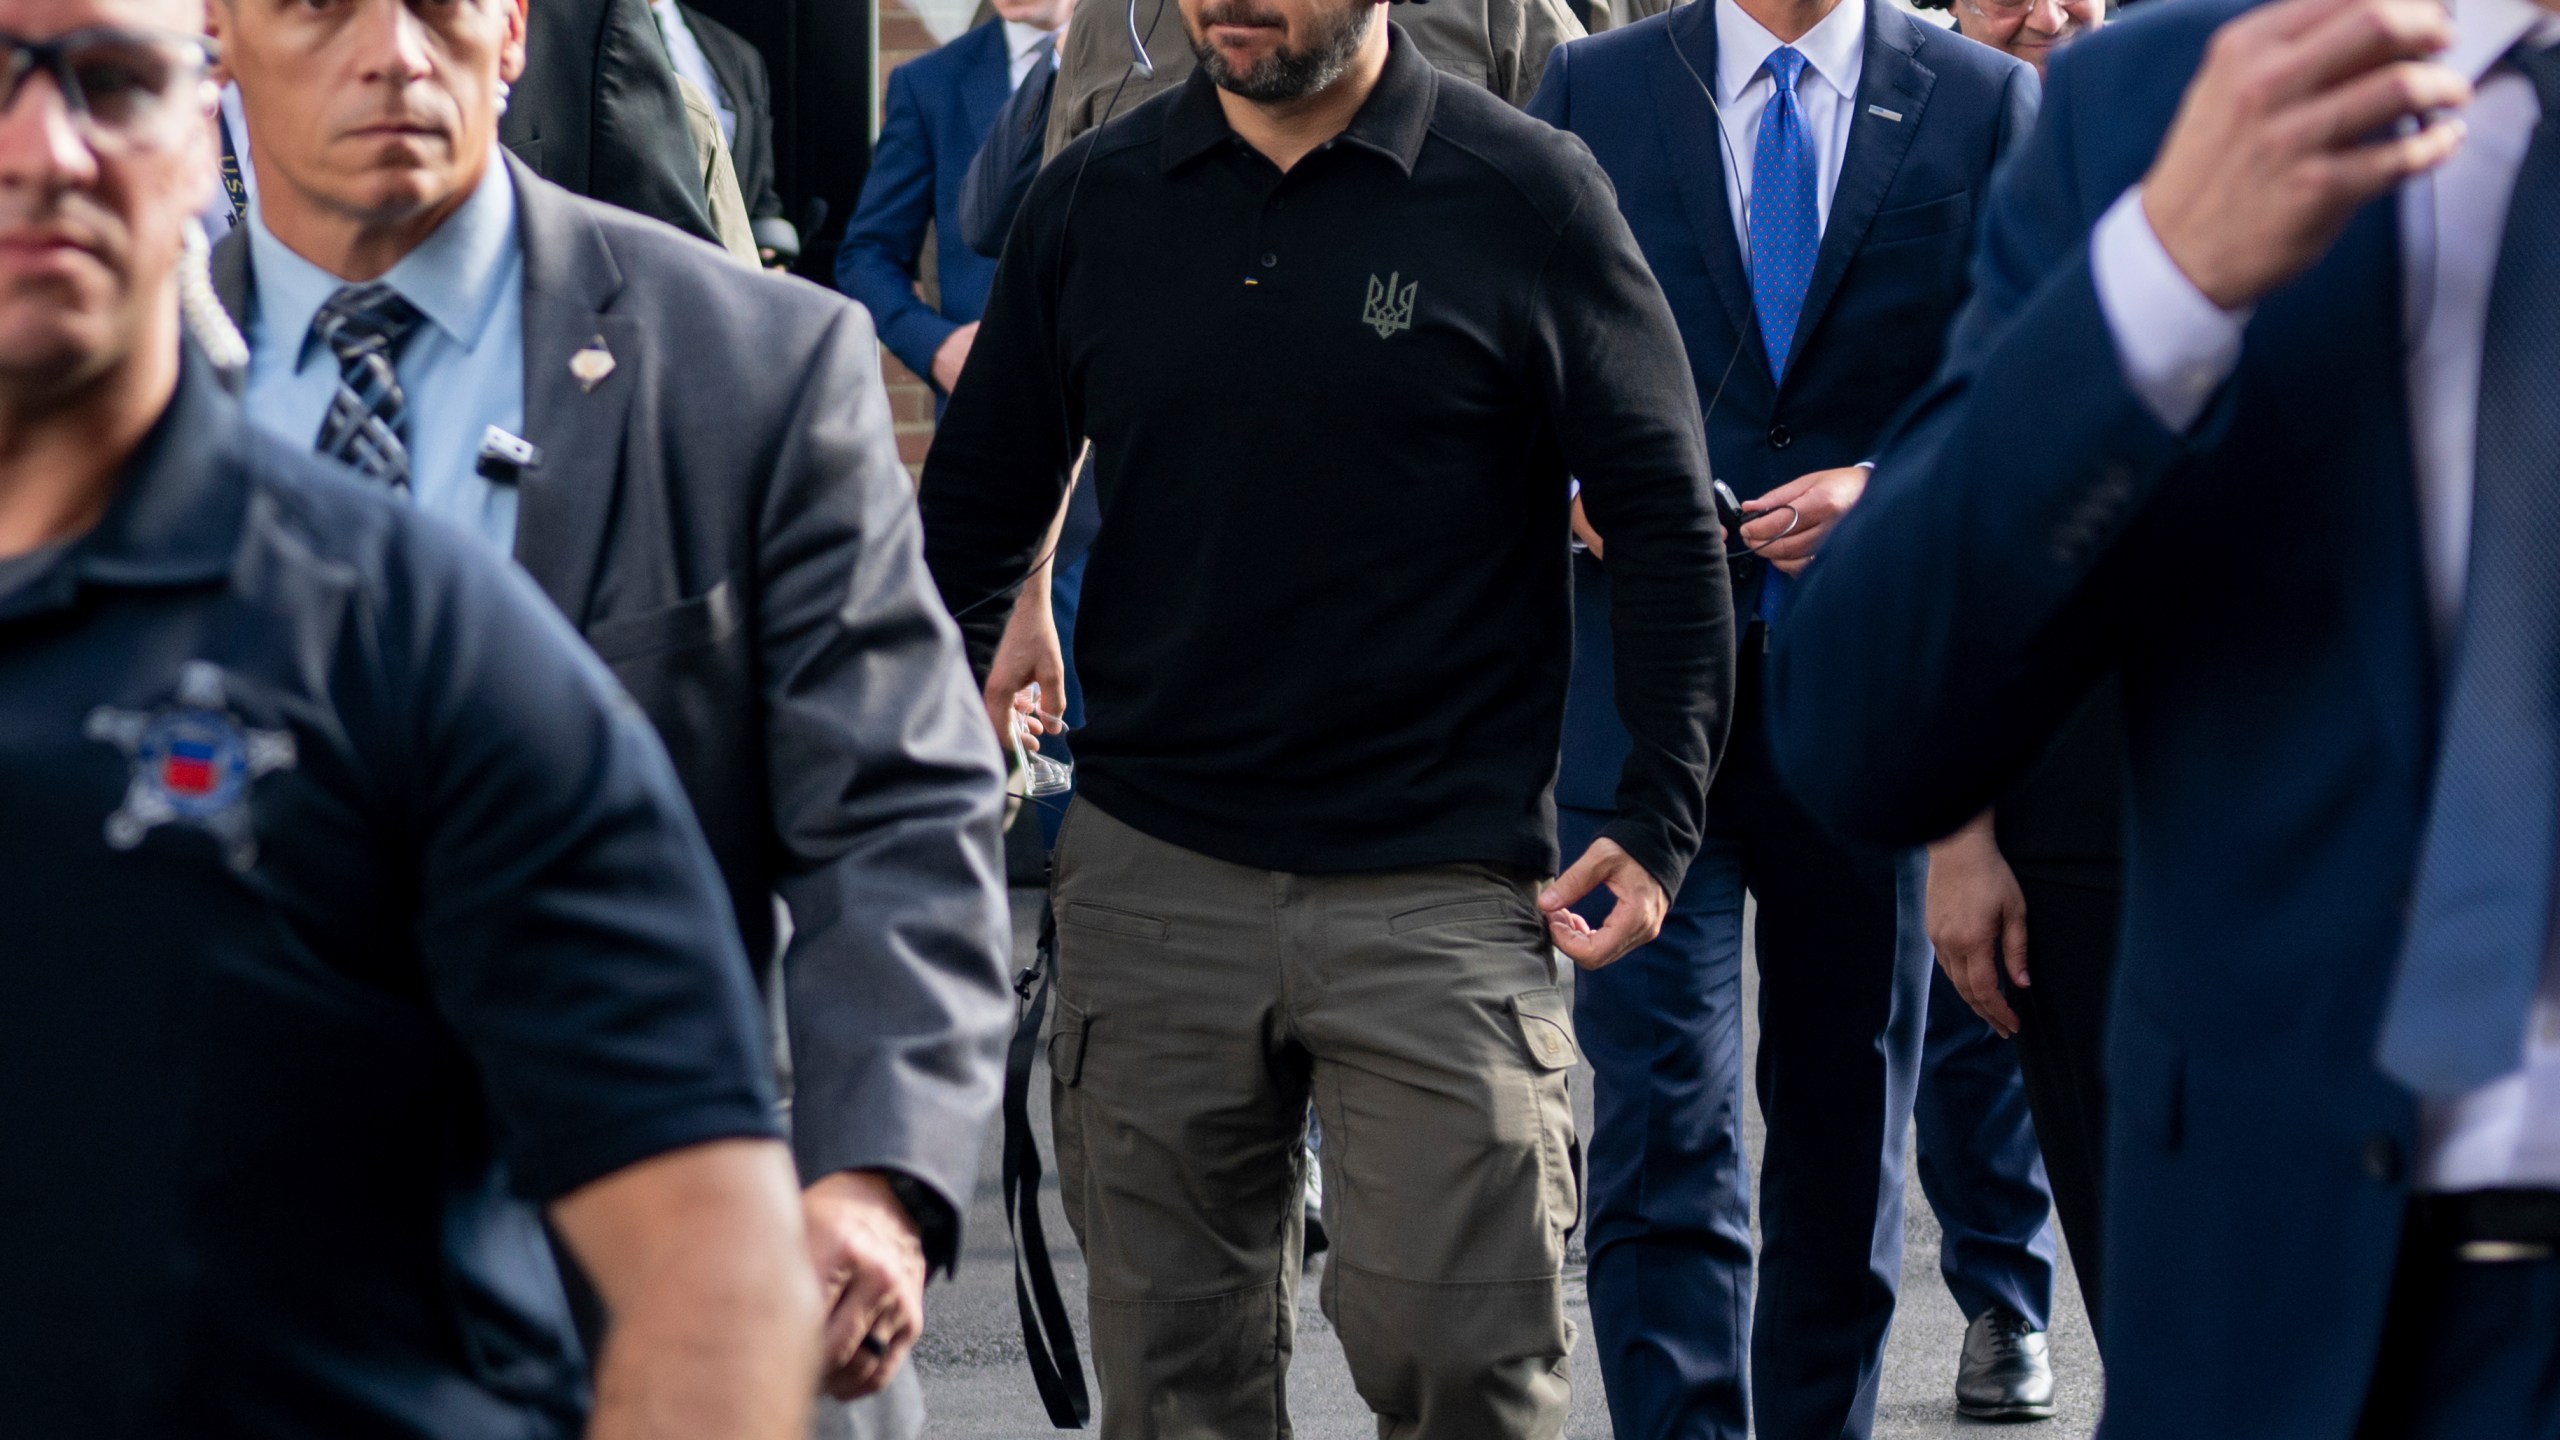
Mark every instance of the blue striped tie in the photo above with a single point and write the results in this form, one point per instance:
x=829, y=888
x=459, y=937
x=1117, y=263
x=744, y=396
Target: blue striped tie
x=363, y=326
x=2479, y=922
x=1786, y=234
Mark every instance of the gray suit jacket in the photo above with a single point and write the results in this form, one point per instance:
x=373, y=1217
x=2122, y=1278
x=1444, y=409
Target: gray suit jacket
x=725, y=518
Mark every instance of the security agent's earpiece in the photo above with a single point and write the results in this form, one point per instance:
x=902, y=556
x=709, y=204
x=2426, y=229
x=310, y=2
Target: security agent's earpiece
x=1139, y=59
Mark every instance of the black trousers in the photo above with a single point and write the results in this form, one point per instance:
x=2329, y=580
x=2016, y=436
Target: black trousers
x=2471, y=1351
x=2071, y=958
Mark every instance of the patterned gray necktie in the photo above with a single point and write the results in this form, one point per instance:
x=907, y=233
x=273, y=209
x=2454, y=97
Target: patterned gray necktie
x=363, y=326
x=2480, y=919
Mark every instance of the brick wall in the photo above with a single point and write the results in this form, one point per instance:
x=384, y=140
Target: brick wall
x=902, y=38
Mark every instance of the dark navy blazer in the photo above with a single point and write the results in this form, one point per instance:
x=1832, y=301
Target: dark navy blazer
x=1886, y=282
x=2257, y=584
x=940, y=106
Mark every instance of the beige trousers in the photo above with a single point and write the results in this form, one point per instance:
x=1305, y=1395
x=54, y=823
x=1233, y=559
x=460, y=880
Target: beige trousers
x=1199, y=1007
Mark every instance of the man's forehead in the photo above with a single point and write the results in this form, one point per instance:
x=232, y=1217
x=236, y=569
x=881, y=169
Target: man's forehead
x=39, y=18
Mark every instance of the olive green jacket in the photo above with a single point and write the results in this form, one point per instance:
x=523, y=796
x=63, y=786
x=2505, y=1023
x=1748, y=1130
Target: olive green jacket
x=1501, y=45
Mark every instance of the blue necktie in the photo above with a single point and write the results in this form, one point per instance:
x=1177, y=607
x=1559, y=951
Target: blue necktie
x=1786, y=226
x=363, y=325
x=1786, y=232
x=2479, y=920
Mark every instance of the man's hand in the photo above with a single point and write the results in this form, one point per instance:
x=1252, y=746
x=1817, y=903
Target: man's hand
x=1028, y=656
x=712, y=1321
x=869, y=1263
x=2303, y=111
x=1788, y=538
x=1583, y=532
x=951, y=354
x=1635, y=921
x=1977, y=917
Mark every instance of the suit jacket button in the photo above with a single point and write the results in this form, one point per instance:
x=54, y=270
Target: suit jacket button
x=2382, y=1159
x=1780, y=437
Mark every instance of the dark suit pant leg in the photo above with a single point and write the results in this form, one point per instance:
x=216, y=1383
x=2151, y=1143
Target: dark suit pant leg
x=1669, y=1198
x=1844, y=984
x=2471, y=1352
x=2062, y=1026
x=1980, y=1167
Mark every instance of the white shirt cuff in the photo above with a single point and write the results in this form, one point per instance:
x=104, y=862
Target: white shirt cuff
x=2175, y=344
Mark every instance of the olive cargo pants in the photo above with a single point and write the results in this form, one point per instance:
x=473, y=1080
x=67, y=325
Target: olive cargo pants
x=1199, y=1005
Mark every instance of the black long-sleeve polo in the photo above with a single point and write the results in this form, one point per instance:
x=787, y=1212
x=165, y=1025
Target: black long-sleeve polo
x=1326, y=625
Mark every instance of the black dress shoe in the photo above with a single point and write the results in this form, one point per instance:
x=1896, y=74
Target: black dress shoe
x=2006, y=1373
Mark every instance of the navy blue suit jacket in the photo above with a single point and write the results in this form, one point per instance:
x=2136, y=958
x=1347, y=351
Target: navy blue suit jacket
x=940, y=107
x=1886, y=282
x=2257, y=584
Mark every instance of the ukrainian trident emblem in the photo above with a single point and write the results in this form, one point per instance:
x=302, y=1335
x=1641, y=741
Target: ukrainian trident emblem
x=192, y=764
x=1389, y=309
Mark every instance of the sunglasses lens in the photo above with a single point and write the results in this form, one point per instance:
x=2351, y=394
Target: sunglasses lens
x=127, y=82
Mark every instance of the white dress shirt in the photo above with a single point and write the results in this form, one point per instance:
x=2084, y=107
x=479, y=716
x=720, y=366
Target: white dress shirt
x=1022, y=50
x=1835, y=53
x=2177, y=347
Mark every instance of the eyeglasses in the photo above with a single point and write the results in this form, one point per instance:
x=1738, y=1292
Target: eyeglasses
x=122, y=87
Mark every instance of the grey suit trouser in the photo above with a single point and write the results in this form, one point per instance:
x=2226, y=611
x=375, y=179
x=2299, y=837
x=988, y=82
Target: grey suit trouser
x=1199, y=1006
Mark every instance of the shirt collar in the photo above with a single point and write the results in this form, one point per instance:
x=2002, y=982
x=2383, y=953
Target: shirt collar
x=2485, y=30
x=1834, y=49
x=181, y=499
x=455, y=277
x=1393, y=121
x=1021, y=39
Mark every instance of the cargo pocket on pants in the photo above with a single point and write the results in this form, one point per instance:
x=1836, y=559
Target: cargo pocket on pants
x=1546, y=1029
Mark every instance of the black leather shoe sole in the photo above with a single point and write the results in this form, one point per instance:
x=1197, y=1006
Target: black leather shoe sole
x=2005, y=1414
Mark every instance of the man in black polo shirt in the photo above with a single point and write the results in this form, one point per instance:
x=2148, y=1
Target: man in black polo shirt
x=1323, y=644
x=351, y=921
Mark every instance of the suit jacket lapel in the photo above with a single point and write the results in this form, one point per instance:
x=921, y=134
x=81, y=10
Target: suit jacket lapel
x=990, y=80
x=1690, y=132
x=575, y=416
x=1889, y=77
x=2337, y=357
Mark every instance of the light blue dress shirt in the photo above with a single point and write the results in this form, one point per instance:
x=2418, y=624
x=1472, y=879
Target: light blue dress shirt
x=462, y=371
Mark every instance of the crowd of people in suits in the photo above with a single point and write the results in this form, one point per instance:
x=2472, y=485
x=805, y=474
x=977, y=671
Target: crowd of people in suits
x=2033, y=526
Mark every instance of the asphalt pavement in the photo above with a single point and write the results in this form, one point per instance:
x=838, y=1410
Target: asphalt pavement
x=977, y=1385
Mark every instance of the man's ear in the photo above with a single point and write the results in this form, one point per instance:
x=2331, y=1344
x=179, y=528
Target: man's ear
x=219, y=27
x=511, y=55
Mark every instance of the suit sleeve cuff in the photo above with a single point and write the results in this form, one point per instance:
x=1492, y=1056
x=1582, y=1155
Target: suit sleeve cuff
x=914, y=338
x=937, y=1223
x=1648, y=847
x=2175, y=345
